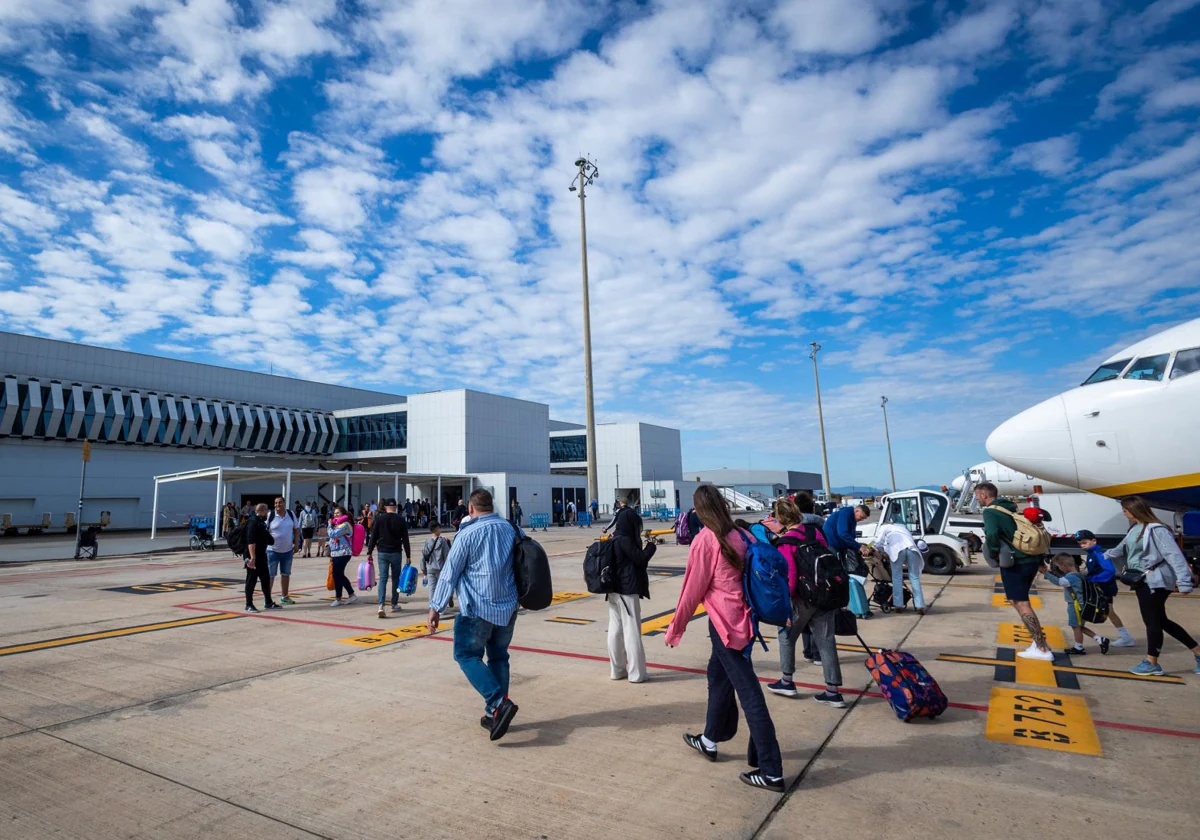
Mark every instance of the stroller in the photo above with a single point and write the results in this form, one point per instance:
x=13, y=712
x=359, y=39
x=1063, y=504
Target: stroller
x=200, y=533
x=880, y=571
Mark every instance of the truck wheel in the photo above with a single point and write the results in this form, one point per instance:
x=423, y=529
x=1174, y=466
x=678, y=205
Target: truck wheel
x=940, y=562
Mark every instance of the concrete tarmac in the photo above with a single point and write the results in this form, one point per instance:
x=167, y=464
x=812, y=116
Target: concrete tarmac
x=137, y=700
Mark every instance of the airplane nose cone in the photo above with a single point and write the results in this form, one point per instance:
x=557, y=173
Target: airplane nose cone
x=1037, y=442
x=958, y=483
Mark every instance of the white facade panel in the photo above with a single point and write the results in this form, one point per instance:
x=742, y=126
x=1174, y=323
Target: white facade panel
x=34, y=400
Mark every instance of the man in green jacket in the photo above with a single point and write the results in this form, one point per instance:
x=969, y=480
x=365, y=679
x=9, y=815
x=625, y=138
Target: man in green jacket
x=1017, y=570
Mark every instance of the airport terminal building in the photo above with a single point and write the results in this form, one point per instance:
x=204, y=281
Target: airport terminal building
x=147, y=416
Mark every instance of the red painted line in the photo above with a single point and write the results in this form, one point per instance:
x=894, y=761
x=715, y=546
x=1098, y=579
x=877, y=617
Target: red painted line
x=972, y=707
x=283, y=618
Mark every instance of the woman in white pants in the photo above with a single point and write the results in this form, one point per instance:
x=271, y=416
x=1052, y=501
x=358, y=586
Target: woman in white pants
x=626, y=655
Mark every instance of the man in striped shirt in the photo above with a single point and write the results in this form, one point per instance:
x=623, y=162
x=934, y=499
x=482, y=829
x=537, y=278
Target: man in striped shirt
x=480, y=569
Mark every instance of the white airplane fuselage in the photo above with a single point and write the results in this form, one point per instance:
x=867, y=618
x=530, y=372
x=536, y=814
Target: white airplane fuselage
x=1133, y=428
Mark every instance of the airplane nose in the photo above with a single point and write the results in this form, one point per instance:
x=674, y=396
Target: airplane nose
x=1037, y=442
x=958, y=483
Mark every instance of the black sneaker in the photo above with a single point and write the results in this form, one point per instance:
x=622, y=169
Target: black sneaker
x=1075, y=651
x=761, y=780
x=251, y=608
x=782, y=688
x=506, y=711
x=486, y=722
x=274, y=606
x=1104, y=644
x=827, y=698
x=695, y=743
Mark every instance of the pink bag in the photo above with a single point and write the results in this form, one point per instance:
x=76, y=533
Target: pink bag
x=366, y=575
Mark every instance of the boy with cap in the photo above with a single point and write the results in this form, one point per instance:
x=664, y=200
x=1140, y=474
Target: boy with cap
x=1100, y=571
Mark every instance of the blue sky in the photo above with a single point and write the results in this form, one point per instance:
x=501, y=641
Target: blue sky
x=968, y=205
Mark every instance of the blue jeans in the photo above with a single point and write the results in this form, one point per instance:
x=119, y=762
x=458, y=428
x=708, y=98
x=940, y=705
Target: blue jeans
x=393, y=560
x=730, y=672
x=472, y=638
x=916, y=564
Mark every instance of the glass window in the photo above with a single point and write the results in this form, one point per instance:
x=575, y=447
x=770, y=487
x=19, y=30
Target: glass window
x=933, y=508
x=568, y=449
x=1186, y=361
x=1107, y=371
x=904, y=512
x=1148, y=368
x=373, y=432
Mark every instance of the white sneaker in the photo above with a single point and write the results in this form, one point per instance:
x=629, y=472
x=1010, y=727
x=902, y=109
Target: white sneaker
x=353, y=599
x=335, y=603
x=396, y=610
x=382, y=614
x=1034, y=653
x=1122, y=641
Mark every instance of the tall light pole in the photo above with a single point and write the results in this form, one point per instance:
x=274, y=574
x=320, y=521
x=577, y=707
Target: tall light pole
x=587, y=174
x=888, y=435
x=821, y=419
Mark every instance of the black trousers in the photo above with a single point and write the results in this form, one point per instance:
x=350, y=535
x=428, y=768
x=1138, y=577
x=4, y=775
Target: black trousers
x=340, y=581
x=1153, y=605
x=730, y=673
x=262, y=575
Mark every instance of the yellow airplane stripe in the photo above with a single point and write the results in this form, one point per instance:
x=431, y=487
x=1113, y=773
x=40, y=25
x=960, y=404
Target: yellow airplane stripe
x=111, y=634
x=1173, y=482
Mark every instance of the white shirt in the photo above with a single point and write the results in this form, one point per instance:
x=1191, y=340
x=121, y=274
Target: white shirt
x=283, y=530
x=893, y=539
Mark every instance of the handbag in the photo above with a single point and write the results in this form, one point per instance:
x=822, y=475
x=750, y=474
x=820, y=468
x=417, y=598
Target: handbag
x=1132, y=577
x=329, y=577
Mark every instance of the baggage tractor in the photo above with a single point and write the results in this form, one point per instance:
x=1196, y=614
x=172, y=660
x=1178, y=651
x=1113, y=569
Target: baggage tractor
x=908, y=687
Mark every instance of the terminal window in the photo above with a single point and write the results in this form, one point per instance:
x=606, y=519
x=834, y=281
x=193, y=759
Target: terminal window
x=373, y=432
x=568, y=449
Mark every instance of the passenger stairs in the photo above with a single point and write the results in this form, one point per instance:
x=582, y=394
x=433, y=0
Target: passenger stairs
x=741, y=500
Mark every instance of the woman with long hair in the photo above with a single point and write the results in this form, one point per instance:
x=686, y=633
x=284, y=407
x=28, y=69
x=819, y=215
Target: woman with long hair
x=716, y=560
x=341, y=550
x=1150, y=550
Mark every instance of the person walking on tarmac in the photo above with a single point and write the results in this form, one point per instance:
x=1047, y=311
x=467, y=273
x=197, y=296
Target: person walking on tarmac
x=258, y=537
x=480, y=569
x=716, y=561
x=626, y=653
x=1017, y=570
x=1149, y=550
x=389, y=533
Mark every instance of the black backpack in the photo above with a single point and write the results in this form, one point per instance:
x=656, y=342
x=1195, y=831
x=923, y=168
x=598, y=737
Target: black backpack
x=236, y=539
x=1095, y=606
x=600, y=567
x=531, y=568
x=821, y=577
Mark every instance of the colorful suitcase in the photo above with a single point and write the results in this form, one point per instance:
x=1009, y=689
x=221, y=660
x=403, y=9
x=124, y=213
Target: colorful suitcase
x=366, y=575
x=408, y=579
x=908, y=687
x=859, y=605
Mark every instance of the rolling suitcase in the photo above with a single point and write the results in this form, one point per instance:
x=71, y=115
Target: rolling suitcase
x=408, y=579
x=908, y=687
x=859, y=605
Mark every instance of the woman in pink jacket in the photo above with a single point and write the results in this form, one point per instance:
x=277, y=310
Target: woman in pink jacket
x=716, y=560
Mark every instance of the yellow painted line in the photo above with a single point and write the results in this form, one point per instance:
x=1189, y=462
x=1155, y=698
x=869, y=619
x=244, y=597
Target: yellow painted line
x=397, y=634
x=998, y=600
x=1120, y=675
x=1133, y=488
x=564, y=597
x=1015, y=635
x=1035, y=672
x=662, y=622
x=1087, y=672
x=47, y=644
x=1039, y=719
x=562, y=620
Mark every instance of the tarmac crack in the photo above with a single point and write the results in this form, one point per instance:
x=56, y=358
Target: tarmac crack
x=808, y=765
x=186, y=786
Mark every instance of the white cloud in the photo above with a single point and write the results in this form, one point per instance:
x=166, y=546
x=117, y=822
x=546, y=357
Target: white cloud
x=1055, y=156
x=18, y=213
x=833, y=26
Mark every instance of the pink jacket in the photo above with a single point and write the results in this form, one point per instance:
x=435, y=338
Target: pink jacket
x=789, y=551
x=710, y=580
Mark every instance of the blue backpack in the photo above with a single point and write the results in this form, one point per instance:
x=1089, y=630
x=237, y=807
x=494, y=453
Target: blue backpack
x=765, y=582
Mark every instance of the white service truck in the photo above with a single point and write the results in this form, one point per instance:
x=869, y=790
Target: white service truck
x=926, y=514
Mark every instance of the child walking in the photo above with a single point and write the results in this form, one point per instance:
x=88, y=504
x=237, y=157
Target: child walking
x=1071, y=581
x=1102, y=572
x=433, y=558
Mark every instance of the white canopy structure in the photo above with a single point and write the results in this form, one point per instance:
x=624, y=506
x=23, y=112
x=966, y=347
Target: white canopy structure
x=227, y=476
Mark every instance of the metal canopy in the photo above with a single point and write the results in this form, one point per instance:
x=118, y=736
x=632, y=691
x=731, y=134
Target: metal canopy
x=225, y=476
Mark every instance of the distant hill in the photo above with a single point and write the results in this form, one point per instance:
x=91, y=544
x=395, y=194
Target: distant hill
x=859, y=491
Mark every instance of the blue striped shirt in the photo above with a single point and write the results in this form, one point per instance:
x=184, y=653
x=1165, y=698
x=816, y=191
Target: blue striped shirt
x=480, y=569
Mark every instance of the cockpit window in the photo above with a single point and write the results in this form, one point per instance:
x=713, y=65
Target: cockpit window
x=1186, y=361
x=1107, y=371
x=1149, y=368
